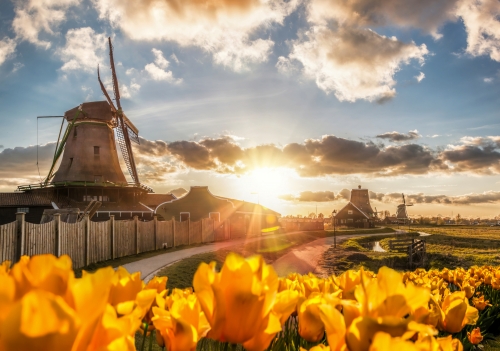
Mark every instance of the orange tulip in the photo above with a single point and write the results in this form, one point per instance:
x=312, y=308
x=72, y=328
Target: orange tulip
x=475, y=336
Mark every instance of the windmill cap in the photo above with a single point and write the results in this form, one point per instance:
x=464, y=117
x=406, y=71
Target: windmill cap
x=94, y=110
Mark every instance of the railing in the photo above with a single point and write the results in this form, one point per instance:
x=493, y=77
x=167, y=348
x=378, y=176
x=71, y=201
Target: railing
x=84, y=184
x=415, y=248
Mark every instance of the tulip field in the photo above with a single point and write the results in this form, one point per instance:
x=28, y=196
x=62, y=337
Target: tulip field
x=245, y=305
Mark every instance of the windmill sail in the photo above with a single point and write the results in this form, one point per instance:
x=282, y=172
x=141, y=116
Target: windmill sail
x=122, y=130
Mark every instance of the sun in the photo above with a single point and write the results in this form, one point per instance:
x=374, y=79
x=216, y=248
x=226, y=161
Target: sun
x=268, y=182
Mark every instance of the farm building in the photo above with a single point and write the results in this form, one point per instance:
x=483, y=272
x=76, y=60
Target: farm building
x=358, y=211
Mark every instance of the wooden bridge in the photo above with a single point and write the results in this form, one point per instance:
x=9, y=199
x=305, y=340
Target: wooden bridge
x=415, y=248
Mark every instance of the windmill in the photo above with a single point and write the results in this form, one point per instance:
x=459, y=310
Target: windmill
x=375, y=213
x=401, y=213
x=88, y=146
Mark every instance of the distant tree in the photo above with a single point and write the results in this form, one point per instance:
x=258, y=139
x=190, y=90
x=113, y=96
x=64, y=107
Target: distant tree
x=312, y=215
x=299, y=216
x=387, y=213
x=321, y=215
x=458, y=218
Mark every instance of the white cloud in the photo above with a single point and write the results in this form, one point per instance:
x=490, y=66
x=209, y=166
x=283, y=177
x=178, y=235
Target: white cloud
x=157, y=70
x=480, y=18
x=354, y=63
x=17, y=67
x=420, y=77
x=488, y=80
x=84, y=50
x=224, y=28
x=175, y=59
x=7, y=49
x=88, y=91
x=160, y=59
x=33, y=17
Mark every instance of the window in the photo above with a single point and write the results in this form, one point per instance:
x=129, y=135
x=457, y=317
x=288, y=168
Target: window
x=89, y=198
x=23, y=209
x=215, y=216
x=96, y=150
x=349, y=212
x=75, y=133
x=70, y=161
x=185, y=216
x=97, y=179
x=350, y=220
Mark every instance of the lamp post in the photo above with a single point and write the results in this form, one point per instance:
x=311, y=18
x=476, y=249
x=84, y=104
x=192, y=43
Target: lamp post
x=334, y=214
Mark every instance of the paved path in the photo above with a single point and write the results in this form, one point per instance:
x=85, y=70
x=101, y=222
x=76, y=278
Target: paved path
x=149, y=266
x=302, y=259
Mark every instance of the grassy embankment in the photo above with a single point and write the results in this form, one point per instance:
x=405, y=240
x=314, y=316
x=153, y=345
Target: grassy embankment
x=448, y=246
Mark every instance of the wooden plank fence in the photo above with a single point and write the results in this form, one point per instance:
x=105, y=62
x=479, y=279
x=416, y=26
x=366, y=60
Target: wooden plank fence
x=415, y=248
x=88, y=242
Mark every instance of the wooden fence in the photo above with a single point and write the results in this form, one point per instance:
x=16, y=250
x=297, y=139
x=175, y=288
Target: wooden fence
x=89, y=242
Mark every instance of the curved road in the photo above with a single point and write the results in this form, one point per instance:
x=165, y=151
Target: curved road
x=302, y=259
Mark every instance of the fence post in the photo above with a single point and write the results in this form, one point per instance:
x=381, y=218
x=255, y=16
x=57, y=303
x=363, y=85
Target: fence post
x=136, y=233
x=112, y=235
x=57, y=224
x=20, y=235
x=202, y=231
x=173, y=231
x=155, y=231
x=86, y=220
x=189, y=230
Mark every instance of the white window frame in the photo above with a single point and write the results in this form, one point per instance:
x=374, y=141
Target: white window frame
x=180, y=216
x=210, y=215
x=23, y=209
x=349, y=212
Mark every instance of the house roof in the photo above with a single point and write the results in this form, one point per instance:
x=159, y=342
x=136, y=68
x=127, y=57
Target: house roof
x=152, y=200
x=23, y=199
x=357, y=208
x=250, y=207
x=199, y=202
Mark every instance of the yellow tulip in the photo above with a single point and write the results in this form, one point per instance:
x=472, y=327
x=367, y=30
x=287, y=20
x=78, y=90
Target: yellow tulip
x=363, y=329
x=335, y=326
x=45, y=272
x=386, y=295
x=311, y=327
x=449, y=344
x=182, y=326
x=157, y=283
x=480, y=303
x=455, y=313
x=124, y=286
x=238, y=300
x=40, y=320
x=475, y=336
x=385, y=342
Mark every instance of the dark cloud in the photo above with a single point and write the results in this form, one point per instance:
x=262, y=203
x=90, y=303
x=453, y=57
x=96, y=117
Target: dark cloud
x=467, y=199
x=473, y=158
x=19, y=165
x=396, y=136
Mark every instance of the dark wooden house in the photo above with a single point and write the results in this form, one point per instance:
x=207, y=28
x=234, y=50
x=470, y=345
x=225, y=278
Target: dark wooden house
x=245, y=218
x=31, y=204
x=358, y=212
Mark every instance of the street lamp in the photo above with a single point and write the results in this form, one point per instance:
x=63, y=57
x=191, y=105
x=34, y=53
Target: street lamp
x=334, y=214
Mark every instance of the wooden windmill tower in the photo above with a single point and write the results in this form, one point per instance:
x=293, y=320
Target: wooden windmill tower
x=88, y=146
x=401, y=213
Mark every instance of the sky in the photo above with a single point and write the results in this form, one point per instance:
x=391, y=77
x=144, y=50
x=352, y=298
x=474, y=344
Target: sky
x=289, y=103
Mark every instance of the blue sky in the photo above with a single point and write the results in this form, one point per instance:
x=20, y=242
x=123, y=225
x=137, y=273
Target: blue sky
x=255, y=73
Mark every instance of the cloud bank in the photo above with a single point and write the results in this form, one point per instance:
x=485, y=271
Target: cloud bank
x=397, y=137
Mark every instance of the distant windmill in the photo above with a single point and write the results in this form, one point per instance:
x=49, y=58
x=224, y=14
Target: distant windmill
x=401, y=213
x=375, y=213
